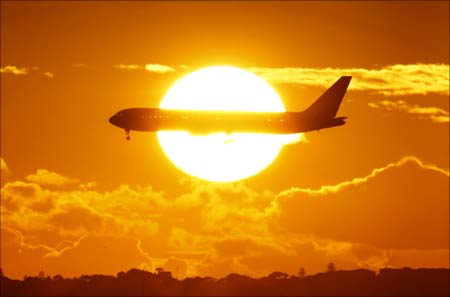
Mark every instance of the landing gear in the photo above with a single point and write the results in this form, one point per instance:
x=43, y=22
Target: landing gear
x=127, y=133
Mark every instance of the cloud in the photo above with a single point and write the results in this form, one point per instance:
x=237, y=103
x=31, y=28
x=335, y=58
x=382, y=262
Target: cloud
x=88, y=253
x=390, y=80
x=4, y=168
x=14, y=70
x=435, y=114
x=440, y=119
x=214, y=229
x=29, y=207
x=23, y=71
x=128, y=67
x=329, y=189
x=148, y=264
x=73, y=216
x=258, y=257
x=48, y=251
x=158, y=68
x=155, y=68
x=246, y=255
x=44, y=177
x=403, y=205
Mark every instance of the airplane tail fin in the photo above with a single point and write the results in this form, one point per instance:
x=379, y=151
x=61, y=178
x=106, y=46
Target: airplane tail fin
x=327, y=105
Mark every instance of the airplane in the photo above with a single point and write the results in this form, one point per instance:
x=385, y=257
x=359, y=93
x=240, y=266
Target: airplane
x=320, y=115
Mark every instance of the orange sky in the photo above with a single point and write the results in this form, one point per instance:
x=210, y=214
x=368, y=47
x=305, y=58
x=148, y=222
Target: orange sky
x=77, y=198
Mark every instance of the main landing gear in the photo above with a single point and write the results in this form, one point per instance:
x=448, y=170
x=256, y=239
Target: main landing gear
x=127, y=133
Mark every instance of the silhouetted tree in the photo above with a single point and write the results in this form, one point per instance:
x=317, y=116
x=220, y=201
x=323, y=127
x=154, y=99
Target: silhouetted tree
x=331, y=267
x=301, y=272
x=163, y=274
x=278, y=274
x=41, y=274
x=57, y=277
x=360, y=282
x=121, y=274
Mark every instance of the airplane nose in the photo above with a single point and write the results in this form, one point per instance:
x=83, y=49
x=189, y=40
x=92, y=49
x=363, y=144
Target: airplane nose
x=113, y=120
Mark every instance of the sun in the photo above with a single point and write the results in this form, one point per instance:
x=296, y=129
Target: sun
x=221, y=157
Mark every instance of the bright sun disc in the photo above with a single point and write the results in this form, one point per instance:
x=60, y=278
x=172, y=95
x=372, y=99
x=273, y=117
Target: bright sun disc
x=221, y=157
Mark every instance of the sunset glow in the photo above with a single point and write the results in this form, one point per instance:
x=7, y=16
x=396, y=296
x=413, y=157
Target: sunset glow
x=90, y=189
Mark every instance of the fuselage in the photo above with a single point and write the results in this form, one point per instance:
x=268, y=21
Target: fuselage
x=319, y=115
x=203, y=122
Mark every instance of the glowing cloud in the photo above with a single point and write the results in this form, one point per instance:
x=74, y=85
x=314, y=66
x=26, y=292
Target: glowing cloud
x=48, y=251
x=3, y=167
x=155, y=68
x=216, y=228
x=358, y=180
x=5, y=173
x=435, y=114
x=128, y=67
x=147, y=265
x=390, y=80
x=49, y=74
x=391, y=202
x=14, y=70
x=158, y=68
x=45, y=177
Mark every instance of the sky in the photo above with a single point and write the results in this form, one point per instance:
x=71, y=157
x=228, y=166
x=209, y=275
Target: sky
x=76, y=198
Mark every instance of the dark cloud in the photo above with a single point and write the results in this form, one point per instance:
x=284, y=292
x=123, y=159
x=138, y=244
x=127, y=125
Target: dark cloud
x=399, y=208
x=74, y=217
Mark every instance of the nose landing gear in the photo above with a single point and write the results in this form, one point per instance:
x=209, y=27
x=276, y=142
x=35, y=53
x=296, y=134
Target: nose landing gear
x=127, y=133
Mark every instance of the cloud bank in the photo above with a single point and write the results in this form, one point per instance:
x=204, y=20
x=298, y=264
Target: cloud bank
x=393, y=207
x=393, y=80
x=396, y=213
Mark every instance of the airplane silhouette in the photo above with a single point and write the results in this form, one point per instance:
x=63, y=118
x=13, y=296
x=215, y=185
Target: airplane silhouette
x=320, y=115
